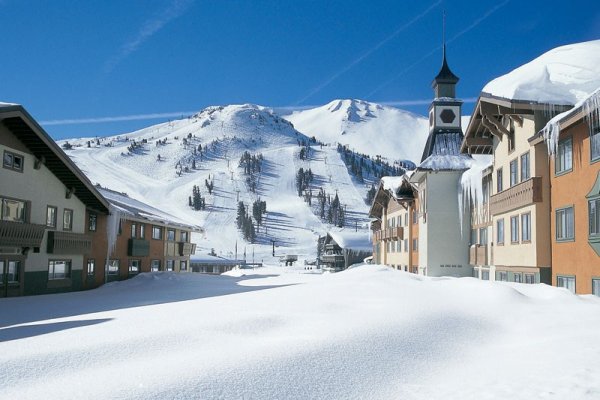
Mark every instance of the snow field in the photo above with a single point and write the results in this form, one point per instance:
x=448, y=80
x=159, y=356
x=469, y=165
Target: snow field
x=368, y=332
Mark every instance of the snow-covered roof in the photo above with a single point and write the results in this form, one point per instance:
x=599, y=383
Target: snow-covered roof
x=564, y=75
x=7, y=104
x=352, y=240
x=392, y=183
x=135, y=208
x=445, y=163
x=210, y=259
x=590, y=106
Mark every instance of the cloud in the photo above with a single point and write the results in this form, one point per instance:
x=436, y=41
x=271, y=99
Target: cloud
x=320, y=87
x=149, y=28
x=102, y=120
x=433, y=51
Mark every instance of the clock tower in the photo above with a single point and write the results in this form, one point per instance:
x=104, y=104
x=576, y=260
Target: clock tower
x=445, y=109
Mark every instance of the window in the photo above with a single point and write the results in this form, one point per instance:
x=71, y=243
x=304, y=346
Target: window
x=526, y=227
x=485, y=188
x=405, y=244
x=596, y=287
x=155, y=266
x=13, y=210
x=564, y=224
x=170, y=265
x=13, y=161
x=9, y=271
x=594, y=215
x=133, y=230
x=499, y=180
x=406, y=219
x=595, y=144
x=414, y=216
x=184, y=236
x=415, y=244
x=514, y=229
x=511, y=137
x=567, y=282
x=502, y=276
x=530, y=279
x=91, y=266
x=59, y=269
x=525, y=169
x=563, y=161
x=120, y=226
x=514, y=172
x=134, y=266
x=142, y=231
x=485, y=275
x=171, y=234
x=183, y=265
x=500, y=231
x=67, y=220
x=51, y=216
x=92, y=222
x=473, y=236
x=518, y=277
x=156, y=232
x=483, y=236
x=113, y=267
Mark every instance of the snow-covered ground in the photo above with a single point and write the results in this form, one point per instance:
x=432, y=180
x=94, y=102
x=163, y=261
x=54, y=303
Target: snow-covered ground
x=283, y=333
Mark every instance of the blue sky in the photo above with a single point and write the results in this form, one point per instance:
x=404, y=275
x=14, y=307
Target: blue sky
x=115, y=64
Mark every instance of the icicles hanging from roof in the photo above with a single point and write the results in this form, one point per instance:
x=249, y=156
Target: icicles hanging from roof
x=112, y=228
x=591, y=110
x=471, y=191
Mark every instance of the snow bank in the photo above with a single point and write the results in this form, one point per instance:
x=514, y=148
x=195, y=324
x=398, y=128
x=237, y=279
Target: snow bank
x=565, y=75
x=365, y=333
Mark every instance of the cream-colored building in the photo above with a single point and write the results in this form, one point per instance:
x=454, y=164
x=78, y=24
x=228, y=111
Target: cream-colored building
x=44, y=198
x=395, y=229
x=518, y=243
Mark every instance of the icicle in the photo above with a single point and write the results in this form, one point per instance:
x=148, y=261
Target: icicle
x=112, y=229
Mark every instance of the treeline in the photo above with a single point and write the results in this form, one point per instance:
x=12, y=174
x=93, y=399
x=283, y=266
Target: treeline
x=303, y=180
x=363, y=166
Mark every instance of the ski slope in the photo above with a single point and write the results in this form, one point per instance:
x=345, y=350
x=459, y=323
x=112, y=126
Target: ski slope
x=224, y=134
x=369, y=128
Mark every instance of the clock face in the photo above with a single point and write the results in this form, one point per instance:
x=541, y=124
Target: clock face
x=447, y=116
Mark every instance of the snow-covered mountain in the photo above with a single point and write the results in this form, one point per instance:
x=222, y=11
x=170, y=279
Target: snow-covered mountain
x=161, y=164
x=367, y=127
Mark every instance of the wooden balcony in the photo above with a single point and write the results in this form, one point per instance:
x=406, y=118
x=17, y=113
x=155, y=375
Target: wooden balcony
x=138, y=247
x=523, y=194
x=171, y=249
x=481, y=216
x=18, y=234
x=186, y=249
x=60, y=242
x=389, y=233
x=478, y=255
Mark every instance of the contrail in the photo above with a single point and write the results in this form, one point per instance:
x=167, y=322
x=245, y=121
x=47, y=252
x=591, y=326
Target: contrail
x=149, y=28
x=367, y=53
x=452, y=39
x=102, y=120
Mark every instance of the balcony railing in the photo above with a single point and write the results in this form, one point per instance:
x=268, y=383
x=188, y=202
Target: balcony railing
x=186, y=249
x=481, y=216
x=138, y=247
x=389, y=233
x=18, y=234
x=478, y=255
x=523, y=194
x=60, y=242
x=171, y=249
